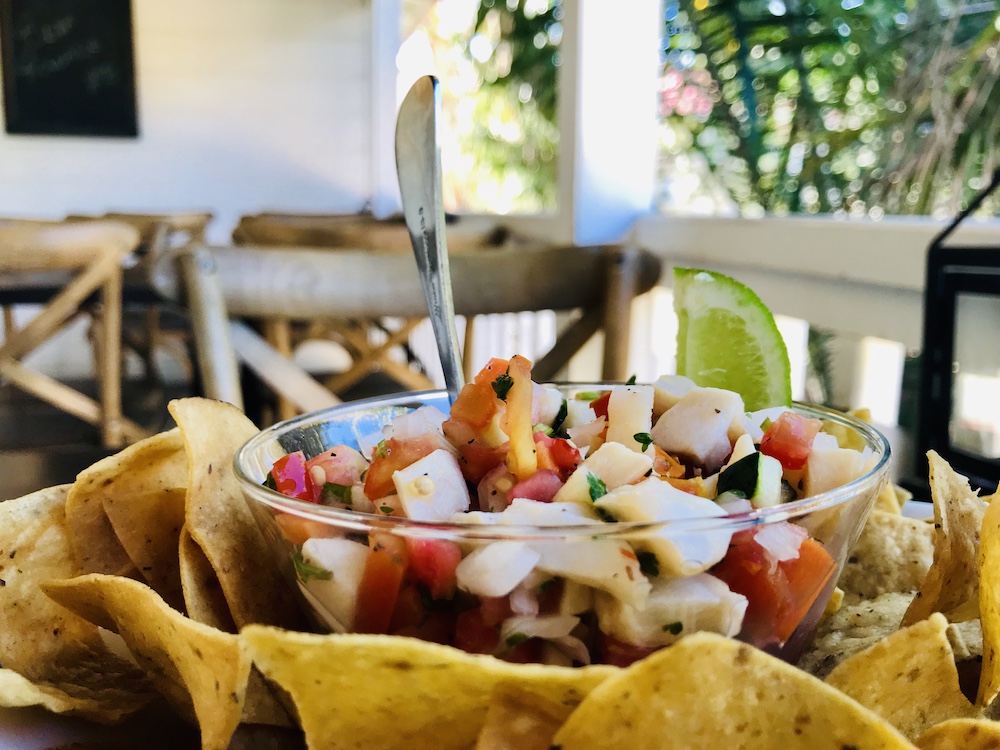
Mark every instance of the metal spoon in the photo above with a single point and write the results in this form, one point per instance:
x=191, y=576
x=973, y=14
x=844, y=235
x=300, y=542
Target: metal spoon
x=418, y=164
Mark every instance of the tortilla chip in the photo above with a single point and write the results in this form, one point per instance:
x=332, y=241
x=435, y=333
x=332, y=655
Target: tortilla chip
x=219, y=520
x=516, y=722
x=952, y=583
x=852, y=629
x=966, y=639
x=909, y=678
x=201, y=671
x=141, y=491
x=203, y=595
x=961, y=734
x=50, y=656
x=391, y=692
x=892, y=554
x=707, y=691
x=989, y=603
x=888, y=500
x=96, y=547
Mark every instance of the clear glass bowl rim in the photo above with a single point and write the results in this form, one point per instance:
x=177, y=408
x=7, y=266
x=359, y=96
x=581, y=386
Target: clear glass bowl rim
x=354, y=521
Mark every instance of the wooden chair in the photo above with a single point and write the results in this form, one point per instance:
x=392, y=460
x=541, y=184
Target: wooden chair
x=596, y=283
x=63, y=266
x=149, y=325
x=372, y=343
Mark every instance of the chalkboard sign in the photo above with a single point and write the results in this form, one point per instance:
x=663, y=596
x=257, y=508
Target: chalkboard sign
x=68, y=67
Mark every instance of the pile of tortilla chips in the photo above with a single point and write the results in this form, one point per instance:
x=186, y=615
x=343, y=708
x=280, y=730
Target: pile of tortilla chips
x=157, y=546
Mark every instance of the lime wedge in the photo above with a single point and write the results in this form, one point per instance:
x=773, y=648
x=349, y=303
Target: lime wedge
x=727, y=338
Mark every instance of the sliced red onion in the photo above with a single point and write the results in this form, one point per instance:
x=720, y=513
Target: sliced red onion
x=573, y=648
x=524, y=597
x=735, y=505
x=549, y=627
x=588, y=436
x=493, y=489
x=781, y=541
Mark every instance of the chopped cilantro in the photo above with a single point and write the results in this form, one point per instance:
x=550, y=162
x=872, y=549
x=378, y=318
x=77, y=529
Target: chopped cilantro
x=270, y=483
x=587, y=396
x=385, y=508
x=597, y=488
x=307, y=571
x=502, y=385
x=557, y=423
x=644, y=439
x=382, y=449
x=546, y=584
x=516, y=639
x=674, y=628
x=648, y=564
x=630, y=381
x=335, y=493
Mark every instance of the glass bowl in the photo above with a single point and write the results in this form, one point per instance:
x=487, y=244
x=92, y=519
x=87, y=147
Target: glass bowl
x=833, y=518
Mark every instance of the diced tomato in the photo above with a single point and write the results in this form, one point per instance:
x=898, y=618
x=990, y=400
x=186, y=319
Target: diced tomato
x=557, y=454
x=473, y=635
x=339, y=465
x=397, y=454
x=780, y=598
x=494, y=609
x=436, y=627
x=291, y=478
x=476, y=405
x=380, y=584
x=541, y=486
x=600, y=404
x=296, y=530
x=789, y=439
x=493, y=370
x=409, y=611
x=620, y=654
x=432, y=563
x=528, y=652
x=477, y=459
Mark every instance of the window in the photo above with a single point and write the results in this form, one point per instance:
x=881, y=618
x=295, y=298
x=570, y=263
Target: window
x=860, y=108
x=497, y=64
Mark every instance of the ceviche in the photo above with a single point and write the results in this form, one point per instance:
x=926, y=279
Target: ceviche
x=513, y=452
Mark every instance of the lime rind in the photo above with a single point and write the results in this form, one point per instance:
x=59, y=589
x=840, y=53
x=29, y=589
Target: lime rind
x=727, y=338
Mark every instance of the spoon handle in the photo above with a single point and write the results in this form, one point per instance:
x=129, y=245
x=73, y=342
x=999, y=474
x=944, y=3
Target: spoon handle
x=418, y=164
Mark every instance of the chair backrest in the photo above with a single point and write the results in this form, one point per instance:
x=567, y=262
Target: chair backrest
x=358, y=231
x=190, y=223
x=28, y=245
x=305, y=283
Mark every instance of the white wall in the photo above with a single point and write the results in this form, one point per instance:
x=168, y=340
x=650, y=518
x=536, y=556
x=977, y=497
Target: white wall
x=244, y=105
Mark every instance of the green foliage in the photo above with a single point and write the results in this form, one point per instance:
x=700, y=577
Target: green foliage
x=857, y=106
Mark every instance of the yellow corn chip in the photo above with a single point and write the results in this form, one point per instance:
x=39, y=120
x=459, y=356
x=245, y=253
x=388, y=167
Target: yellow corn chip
x=952, y=583
x=219, y=520
x=892, y=554
x=711, y=692
x=851, y=629
x=518, y=722
x=50, y=656
x=389, y=692
x=141, y=492
x=989, y=604
x=909, y=678
x=201, y=671
x=961, y=734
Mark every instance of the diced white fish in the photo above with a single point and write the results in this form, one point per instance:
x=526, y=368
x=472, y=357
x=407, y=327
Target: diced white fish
x=698, y=426
x=578, y=413
x=546, y=402
x=630, y=412
x=337, y=594
x=678, y=551
x=613, y=464
x=432, y=488
x=668, y=390
x=496, y=569
x=605, y=564
x=588, y=437
x=829, y=468
x=675, y=607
